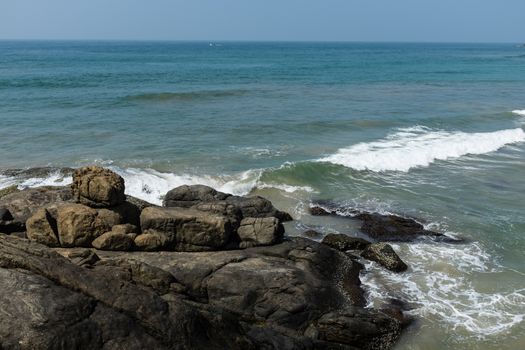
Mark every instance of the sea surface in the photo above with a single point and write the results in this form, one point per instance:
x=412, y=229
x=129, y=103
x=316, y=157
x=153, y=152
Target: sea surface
x=432, y=131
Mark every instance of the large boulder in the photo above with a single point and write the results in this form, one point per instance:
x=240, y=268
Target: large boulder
x=197, y=195
x=78, y=225
x=187, y=196
x=260, y=231
x=187, y=229
x=385, y=255
x=42, y=228
x=344, y=242
x=98, y=187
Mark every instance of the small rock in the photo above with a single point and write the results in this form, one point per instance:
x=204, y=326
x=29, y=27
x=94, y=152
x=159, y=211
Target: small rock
x=260, y=231
x=318, y=211
x=150, y=241
x=98, y=187
x=125, y=229
x=344, y=242
x=385, y=255
x=113, y=241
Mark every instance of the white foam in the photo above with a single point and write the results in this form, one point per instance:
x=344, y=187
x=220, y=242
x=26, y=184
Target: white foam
x=55, y=178
x=420, y=146
x=519, y=112
x=152, y=185
x=441, y=285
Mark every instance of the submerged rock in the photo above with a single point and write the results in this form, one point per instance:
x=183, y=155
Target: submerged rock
x=392, y=227
x=318, y=211
x=344, y=242
x=97, y=187
x=385, y=255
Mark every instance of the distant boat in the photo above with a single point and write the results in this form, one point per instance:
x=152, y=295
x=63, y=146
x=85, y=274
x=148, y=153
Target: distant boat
x=214, y=44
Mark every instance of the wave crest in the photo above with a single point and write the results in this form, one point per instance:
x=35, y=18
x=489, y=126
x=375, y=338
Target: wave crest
x=419, y=147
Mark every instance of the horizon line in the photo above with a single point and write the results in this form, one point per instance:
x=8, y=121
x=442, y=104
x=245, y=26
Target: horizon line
x=261, y=41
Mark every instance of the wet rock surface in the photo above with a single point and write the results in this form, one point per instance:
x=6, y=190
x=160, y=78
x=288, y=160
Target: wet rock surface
x=344, y=242
x=385, y=255
x=392, y=227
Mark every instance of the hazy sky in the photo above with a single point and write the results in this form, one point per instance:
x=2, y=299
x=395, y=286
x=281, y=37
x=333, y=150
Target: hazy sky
x=338, y=20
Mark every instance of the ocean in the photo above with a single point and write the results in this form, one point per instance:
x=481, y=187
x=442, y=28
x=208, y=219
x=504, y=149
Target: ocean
x=432, y=131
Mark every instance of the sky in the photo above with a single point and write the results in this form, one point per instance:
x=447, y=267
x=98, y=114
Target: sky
x=266, y=20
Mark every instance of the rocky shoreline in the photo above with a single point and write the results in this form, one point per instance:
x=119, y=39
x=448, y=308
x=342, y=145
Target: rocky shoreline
x=87, y=267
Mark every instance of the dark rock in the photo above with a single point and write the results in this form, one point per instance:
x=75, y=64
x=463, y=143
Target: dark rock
x=25, y=203
x=8, y=224
x=97, y=187
x=187, y=196
x=363, y=330
x=278, y=296
x=385, y=255
x=344, y=242
x=318, y=211
x=257, y=207
x=186, y=229
x=392, y=227
x=260, y=231
x=198, y=195
x=113, y=241
x=5, y=215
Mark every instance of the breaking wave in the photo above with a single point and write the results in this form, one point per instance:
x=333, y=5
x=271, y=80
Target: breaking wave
x=419, y=147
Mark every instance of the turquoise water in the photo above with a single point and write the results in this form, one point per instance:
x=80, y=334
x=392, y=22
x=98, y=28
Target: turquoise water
x=428, y=130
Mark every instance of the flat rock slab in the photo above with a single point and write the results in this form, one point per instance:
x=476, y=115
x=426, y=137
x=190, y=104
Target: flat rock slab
x=275, y=297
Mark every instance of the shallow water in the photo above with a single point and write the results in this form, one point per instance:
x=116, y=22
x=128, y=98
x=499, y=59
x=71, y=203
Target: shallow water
x=433, y=131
